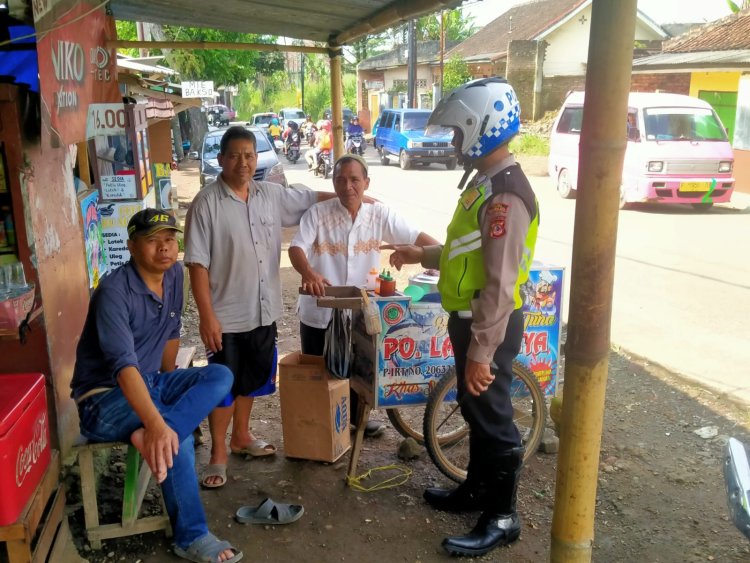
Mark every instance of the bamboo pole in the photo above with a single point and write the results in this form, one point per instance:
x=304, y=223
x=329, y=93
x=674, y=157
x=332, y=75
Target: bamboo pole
x=197, y=45
x=337, y=113
x=602, y=149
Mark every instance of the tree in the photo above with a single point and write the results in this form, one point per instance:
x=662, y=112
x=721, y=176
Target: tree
x=455, y=73
x=457, y=26
x=736, y=6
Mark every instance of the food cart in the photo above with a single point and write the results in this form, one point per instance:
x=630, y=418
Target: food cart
x=398, y=367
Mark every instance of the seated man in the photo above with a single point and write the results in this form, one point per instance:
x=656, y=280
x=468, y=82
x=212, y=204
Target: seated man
x=127, y=388
x=338, y=243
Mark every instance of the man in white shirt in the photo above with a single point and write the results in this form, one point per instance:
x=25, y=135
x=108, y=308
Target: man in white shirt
x=338, y=243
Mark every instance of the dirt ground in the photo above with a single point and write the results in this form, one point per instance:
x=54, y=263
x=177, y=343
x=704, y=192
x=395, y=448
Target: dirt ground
x=660, y=491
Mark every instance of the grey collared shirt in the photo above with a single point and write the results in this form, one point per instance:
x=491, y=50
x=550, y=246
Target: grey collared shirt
x=239, y=243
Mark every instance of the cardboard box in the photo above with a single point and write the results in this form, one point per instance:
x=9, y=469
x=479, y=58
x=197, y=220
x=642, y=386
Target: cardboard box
x=24, y=441
x=315, y=409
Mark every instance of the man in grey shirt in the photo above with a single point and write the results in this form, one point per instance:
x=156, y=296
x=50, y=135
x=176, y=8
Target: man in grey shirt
x=233, y=247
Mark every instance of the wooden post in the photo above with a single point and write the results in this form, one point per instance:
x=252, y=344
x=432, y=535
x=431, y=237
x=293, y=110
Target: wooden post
x=602, y=149
x=337, y=115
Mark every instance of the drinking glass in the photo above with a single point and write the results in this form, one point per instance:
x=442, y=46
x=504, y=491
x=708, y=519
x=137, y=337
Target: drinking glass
x=15, y=276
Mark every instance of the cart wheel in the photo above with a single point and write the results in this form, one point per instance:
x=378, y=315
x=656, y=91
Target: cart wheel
x=408, y=421
x=447, y=433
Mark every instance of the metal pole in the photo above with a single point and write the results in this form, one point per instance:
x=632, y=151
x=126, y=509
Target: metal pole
x=337, y=110
x=602, y=149
x=412, y=68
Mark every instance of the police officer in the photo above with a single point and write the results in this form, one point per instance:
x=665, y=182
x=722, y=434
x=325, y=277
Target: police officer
x=483, y=264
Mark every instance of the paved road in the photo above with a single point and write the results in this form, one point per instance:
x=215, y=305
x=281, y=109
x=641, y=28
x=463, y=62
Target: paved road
x=682, y=285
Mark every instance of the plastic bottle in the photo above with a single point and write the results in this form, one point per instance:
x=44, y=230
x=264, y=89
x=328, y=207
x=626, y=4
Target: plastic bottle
x=10, y=231
x=372, y=277
x=387, y=284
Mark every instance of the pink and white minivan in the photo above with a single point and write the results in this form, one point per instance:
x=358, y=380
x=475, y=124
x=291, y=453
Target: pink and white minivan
x=678, y=151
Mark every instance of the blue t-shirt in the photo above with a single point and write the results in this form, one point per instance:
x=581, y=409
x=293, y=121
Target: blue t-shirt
x=354, y=129
x=127, y=325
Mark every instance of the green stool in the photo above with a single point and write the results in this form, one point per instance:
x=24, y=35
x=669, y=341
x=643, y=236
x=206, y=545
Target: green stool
x=137, y=478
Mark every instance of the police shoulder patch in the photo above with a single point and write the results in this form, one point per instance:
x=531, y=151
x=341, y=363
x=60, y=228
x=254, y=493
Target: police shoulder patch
x=497, y=228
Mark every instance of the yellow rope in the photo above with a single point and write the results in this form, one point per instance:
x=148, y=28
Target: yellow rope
x=395, y=481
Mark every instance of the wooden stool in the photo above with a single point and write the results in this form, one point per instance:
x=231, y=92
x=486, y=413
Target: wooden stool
x=137, y=478
x=18, y=536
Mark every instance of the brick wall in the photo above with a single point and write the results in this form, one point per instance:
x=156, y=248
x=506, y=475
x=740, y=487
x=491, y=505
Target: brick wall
x=555, y=88
x=521, y=73
x=677, y=83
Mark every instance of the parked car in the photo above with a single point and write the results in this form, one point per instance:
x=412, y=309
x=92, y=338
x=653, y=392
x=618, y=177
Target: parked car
x=291, y=114
x=347, y=115
x=269, y=168
x=219, y=114
x=263, y=120
x=677, y=151
x=401, y=134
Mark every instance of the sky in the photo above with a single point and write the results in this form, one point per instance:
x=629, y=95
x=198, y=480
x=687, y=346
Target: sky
x=661, y=11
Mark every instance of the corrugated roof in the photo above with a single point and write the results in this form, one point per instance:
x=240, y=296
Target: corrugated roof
x=727, y=34
x=524, y=21
x=695, y=61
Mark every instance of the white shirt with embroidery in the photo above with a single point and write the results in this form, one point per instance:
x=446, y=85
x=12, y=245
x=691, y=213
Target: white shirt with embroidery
x=344, y=251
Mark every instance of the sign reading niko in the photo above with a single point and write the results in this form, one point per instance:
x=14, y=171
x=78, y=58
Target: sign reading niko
x=75, y=68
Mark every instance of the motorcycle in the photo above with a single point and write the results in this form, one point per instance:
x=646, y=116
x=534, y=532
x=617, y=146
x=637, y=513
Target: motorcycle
x=737, y=484
x=357, y=144
x=324, y=164
x=292, y=150
x=278, y=144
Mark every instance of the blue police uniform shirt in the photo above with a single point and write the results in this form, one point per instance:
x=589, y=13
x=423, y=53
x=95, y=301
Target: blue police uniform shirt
x=127, y=325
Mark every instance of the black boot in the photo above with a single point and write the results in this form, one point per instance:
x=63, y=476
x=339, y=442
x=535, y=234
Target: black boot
x=469, y=495
x=499, y=524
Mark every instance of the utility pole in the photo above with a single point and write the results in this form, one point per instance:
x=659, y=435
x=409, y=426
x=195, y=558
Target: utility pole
x=442, y=51
x=302, y=80
x=412, y=66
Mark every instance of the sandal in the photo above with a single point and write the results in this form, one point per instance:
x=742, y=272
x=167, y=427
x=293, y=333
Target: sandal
x=214, y=470
x=270, y=512
x=256, y=448
x=206, y=549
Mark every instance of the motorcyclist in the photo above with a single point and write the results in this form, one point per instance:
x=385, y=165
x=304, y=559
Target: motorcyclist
x=274, y=129
x=309, y=128
x=354, y=129
x=323, y=141
x=291, y=128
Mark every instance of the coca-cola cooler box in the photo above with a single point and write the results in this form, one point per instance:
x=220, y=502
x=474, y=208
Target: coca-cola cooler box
x=24, y=441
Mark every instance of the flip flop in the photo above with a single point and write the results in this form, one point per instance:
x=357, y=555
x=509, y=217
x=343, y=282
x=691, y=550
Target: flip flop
x=256, y=448
x=269, y=512
x=214, y=470
x=207, y=548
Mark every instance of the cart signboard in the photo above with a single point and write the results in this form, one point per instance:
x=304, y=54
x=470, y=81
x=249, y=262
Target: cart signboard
x=542, y=321
x=400, y=366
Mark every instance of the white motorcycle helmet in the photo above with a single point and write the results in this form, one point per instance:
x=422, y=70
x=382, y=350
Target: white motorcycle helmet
x=486, y=111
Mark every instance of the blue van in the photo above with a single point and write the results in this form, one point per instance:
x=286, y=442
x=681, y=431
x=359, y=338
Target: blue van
x=401, y=135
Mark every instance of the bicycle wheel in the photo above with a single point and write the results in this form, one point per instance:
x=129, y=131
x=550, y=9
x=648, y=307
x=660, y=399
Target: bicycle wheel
x=447, y=433
x=408, y=421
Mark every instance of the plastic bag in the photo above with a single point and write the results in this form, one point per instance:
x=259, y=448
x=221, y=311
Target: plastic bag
x=338, y=344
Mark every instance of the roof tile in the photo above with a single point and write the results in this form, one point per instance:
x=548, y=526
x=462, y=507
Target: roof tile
x=727, y=34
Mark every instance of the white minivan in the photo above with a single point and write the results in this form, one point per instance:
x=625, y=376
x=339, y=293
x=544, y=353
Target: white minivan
x=677, y=152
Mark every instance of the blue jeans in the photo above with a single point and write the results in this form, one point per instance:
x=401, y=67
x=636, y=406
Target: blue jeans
x=184, y=397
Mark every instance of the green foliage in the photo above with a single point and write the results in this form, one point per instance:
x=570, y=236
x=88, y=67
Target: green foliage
x=317, y=97
x=127, y=32
x=529, y=144
x=350, y=92
x=455, y=73
x=224, y=67
x=457, y=26
x=738, y=6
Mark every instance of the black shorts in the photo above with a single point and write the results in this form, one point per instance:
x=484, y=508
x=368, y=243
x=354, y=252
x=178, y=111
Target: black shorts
x=251, y=356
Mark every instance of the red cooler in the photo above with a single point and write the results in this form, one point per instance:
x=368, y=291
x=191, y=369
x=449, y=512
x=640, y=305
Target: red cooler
x=24, y=441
